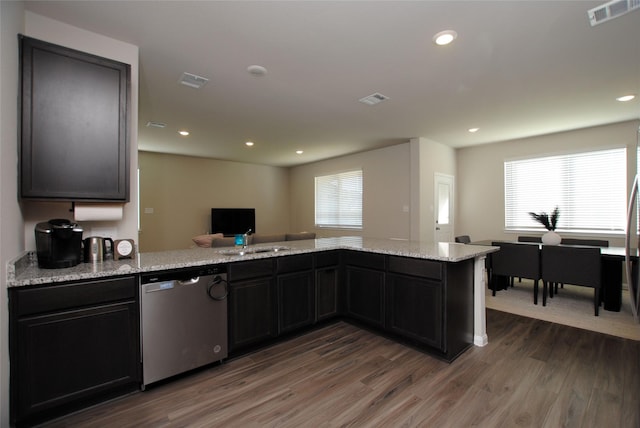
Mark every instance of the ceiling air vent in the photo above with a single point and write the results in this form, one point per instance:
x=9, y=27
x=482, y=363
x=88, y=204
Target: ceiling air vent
x=611, y=10
x=192, y=80
x=156, y=125
x=373, y=99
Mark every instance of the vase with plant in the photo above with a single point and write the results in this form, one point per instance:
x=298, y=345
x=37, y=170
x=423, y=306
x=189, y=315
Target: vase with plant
x=549, y=221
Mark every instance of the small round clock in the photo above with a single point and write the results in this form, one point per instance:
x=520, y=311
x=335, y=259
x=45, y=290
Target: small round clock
x=123, y=249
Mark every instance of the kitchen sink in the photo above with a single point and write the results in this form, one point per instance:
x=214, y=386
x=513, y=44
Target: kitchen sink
x=252, y=250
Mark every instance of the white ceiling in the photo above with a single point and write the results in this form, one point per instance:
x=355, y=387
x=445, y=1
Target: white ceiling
x=517, y=69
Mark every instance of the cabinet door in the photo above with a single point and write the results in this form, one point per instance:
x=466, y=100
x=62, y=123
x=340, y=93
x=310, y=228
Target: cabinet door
x=326, y=293
x=365, y=294
x=74, y=124
x=295, y=301
x=415, y=309
x=66, y=359
x=251, y=312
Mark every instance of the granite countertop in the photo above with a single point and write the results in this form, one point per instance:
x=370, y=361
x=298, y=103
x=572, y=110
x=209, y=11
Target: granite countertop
x=24, y=270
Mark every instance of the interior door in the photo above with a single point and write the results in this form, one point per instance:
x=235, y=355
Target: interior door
x=443, y=208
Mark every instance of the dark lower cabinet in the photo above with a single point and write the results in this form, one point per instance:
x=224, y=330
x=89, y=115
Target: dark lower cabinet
x=252, y=313
x=252, y=304
x=327, y=277
x=415, y=309
x=71, y=346
x=295, y=301
x=327, y=280
x=431, y=303
x=295, y=292
x=365, y=295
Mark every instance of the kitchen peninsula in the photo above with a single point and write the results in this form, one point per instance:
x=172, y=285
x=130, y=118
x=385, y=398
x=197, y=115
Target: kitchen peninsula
x=24, y=270
x=429, y=295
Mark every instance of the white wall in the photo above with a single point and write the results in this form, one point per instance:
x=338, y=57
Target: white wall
x=11, y=225
x=386, y=190
x=40, y=27
x=481, y=173
x=428, y=157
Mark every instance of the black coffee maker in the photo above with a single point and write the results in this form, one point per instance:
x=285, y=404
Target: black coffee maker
x=58, y=244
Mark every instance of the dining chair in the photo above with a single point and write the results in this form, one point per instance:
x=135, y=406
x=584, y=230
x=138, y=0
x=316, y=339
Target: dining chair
x=571, y=265
x=577, y=241
x=589, y=242
x=463, y=239
x=521, y=260
x=529, y=239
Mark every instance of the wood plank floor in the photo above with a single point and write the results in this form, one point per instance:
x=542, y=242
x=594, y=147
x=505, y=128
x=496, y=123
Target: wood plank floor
x=532, y=374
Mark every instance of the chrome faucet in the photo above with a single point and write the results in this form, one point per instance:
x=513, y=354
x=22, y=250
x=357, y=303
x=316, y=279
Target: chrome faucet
x=245, y=238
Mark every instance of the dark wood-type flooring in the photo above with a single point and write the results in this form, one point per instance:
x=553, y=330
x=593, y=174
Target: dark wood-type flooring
x=532, y=374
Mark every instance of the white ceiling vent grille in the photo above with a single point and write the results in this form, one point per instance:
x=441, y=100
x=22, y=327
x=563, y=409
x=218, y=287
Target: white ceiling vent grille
x=611, y=10
x=373, y=99
x=193, y=80
x=156, y=125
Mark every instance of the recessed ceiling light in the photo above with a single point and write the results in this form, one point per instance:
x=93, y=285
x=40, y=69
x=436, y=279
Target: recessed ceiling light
x=299, y=152
x=257, y=70
x=626, y=98
x=249, y=143
x=445, y=37
x=183, y=132
x=472, y=130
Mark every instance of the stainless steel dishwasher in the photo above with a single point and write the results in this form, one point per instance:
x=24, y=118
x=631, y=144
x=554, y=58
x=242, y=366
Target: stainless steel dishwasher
x=184, y=321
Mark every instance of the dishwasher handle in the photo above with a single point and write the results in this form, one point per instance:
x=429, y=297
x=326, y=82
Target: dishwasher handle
x=189, y=281
x=218, y=279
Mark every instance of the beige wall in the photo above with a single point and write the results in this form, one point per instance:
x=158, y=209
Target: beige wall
x=481, y=173
x=11, y=224
x=386, y=190
x=181, y=190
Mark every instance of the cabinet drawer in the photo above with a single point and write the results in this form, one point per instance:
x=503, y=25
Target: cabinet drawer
x=294, y=263
x=368, y=260
x=416, y=267
x=327, y=258
x=52, y=298
x=250, y=269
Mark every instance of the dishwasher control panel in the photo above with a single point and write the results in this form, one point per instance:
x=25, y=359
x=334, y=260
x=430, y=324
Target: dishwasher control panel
x=183, y=274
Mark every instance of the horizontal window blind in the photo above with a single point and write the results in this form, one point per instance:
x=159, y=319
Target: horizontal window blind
x=588, y=188
x=339, y=200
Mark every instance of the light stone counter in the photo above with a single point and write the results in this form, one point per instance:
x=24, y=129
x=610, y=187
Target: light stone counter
x=24, y=271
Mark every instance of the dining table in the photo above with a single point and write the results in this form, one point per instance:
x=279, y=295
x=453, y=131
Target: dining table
x=613, y=259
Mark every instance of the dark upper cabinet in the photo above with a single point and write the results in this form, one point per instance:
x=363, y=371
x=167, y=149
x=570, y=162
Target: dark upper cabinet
x=74, y=124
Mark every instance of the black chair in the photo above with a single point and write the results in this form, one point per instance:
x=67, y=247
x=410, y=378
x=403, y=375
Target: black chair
x=588, y=242
x=537, y=239
x=521, y=260
x=571, y=265
x=577, y=241
x=463, y=239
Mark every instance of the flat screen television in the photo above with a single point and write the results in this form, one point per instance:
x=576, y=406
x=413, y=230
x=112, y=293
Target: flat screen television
x=233, y=221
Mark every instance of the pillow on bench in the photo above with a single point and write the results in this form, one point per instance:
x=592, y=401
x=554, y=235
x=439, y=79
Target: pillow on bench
x=261, y=239
x=219, y=240
x=205, y=241
x=300, y=236
x=229, y=241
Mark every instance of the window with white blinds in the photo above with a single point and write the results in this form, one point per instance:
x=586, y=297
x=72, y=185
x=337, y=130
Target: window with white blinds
x=588, y=188
x=339, y=200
